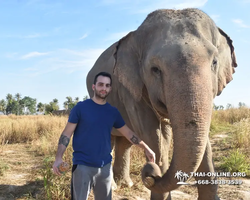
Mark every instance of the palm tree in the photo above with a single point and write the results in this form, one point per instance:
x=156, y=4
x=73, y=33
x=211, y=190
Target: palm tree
x=40, y=107
x=77, y=99
x=10, y=105
x=85, y=97
x=67, y=103
x=69, y=99
x=9, y=97
x=18, y=98
x=55, y=101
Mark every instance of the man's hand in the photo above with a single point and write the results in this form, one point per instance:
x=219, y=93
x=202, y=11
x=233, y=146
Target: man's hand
x=150, y=154
x=55, y=167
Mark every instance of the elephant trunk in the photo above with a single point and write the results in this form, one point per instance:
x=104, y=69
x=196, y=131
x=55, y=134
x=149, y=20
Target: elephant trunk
x=190, y=110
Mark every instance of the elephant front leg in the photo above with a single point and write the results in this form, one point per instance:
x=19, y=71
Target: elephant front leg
x=207, y=191
x=121, y=166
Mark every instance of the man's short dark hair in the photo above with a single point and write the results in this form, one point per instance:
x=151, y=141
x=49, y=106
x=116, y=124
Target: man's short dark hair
x=106, y=74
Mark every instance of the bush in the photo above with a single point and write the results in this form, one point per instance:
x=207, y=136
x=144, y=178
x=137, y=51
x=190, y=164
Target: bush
x=236, y=161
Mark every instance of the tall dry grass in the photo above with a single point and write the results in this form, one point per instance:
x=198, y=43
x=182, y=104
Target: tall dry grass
x=22, y=129
x=242, y=134
x=230, y=116
x=235, y=121
x=224, y=120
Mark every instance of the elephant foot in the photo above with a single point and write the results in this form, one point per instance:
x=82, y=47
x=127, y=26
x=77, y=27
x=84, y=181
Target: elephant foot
x=127, y=182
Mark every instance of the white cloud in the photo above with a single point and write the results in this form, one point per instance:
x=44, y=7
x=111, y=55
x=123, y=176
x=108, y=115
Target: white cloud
x=84, y=36
x=33, y=54
x=240, y=23
x=65, y=61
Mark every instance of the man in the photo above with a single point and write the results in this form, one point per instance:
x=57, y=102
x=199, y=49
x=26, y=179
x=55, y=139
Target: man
x=91, y=121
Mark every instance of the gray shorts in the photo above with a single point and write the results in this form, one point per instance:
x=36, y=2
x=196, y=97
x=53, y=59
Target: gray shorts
x=85, y=178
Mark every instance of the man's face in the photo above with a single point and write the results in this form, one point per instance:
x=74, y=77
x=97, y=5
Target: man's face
x=102, y=87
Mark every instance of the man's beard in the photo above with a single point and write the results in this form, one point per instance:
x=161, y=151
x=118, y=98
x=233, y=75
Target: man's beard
x=101, y=96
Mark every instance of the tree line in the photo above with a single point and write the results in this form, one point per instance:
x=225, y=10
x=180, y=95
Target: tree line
x=15, y=104
x=228, y=106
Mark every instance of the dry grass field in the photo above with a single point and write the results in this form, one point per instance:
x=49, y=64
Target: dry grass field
x=28, y=145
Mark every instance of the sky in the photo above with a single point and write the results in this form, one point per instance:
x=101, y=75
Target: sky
x=47, y=47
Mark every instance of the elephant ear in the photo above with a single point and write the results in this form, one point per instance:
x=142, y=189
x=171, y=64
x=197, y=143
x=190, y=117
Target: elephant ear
x=126, y=67
x=227, y=60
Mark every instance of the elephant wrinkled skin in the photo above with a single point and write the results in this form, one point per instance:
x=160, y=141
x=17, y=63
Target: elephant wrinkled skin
x=165, y=77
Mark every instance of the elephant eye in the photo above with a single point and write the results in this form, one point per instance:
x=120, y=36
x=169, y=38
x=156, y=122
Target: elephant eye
x=214, y=65
x=156, y=70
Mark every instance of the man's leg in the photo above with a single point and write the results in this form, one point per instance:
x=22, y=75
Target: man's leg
x=102, y=183
x=82, y=181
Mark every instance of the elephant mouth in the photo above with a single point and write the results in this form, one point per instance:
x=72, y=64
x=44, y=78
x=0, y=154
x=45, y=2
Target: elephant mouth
x=161, y=109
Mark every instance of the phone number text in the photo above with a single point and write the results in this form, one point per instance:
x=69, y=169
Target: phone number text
x=219, y=182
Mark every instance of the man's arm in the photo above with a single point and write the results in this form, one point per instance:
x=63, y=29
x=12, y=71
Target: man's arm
x=62, y=145
x=134, y=139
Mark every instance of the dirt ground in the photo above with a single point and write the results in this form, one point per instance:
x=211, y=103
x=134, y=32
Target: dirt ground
x=17, y=180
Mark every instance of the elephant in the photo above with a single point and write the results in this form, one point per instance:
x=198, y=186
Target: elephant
x=166, y=75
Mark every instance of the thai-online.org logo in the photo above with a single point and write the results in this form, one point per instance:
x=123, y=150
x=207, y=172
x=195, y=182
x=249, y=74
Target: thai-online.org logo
x=182, y=177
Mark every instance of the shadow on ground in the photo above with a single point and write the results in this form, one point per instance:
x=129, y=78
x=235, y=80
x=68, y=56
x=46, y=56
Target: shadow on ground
x=14, y=192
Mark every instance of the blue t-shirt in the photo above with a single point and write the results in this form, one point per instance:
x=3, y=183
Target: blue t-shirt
x=92, y=136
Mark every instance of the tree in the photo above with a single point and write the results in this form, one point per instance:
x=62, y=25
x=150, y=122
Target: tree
x=220, y=107
x=40, y=107
x=85, y=97
x=10, y=104
x=18, y=98
x=69, y=104
x=3, y=106
x=29, y=105
x=229, y=106
x=52, y=106
x=241, y=104
x=77, y=99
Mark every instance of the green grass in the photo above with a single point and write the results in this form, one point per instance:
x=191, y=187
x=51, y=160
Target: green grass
x=236, y=161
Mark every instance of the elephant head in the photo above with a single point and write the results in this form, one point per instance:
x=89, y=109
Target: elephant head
x=178, y=60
